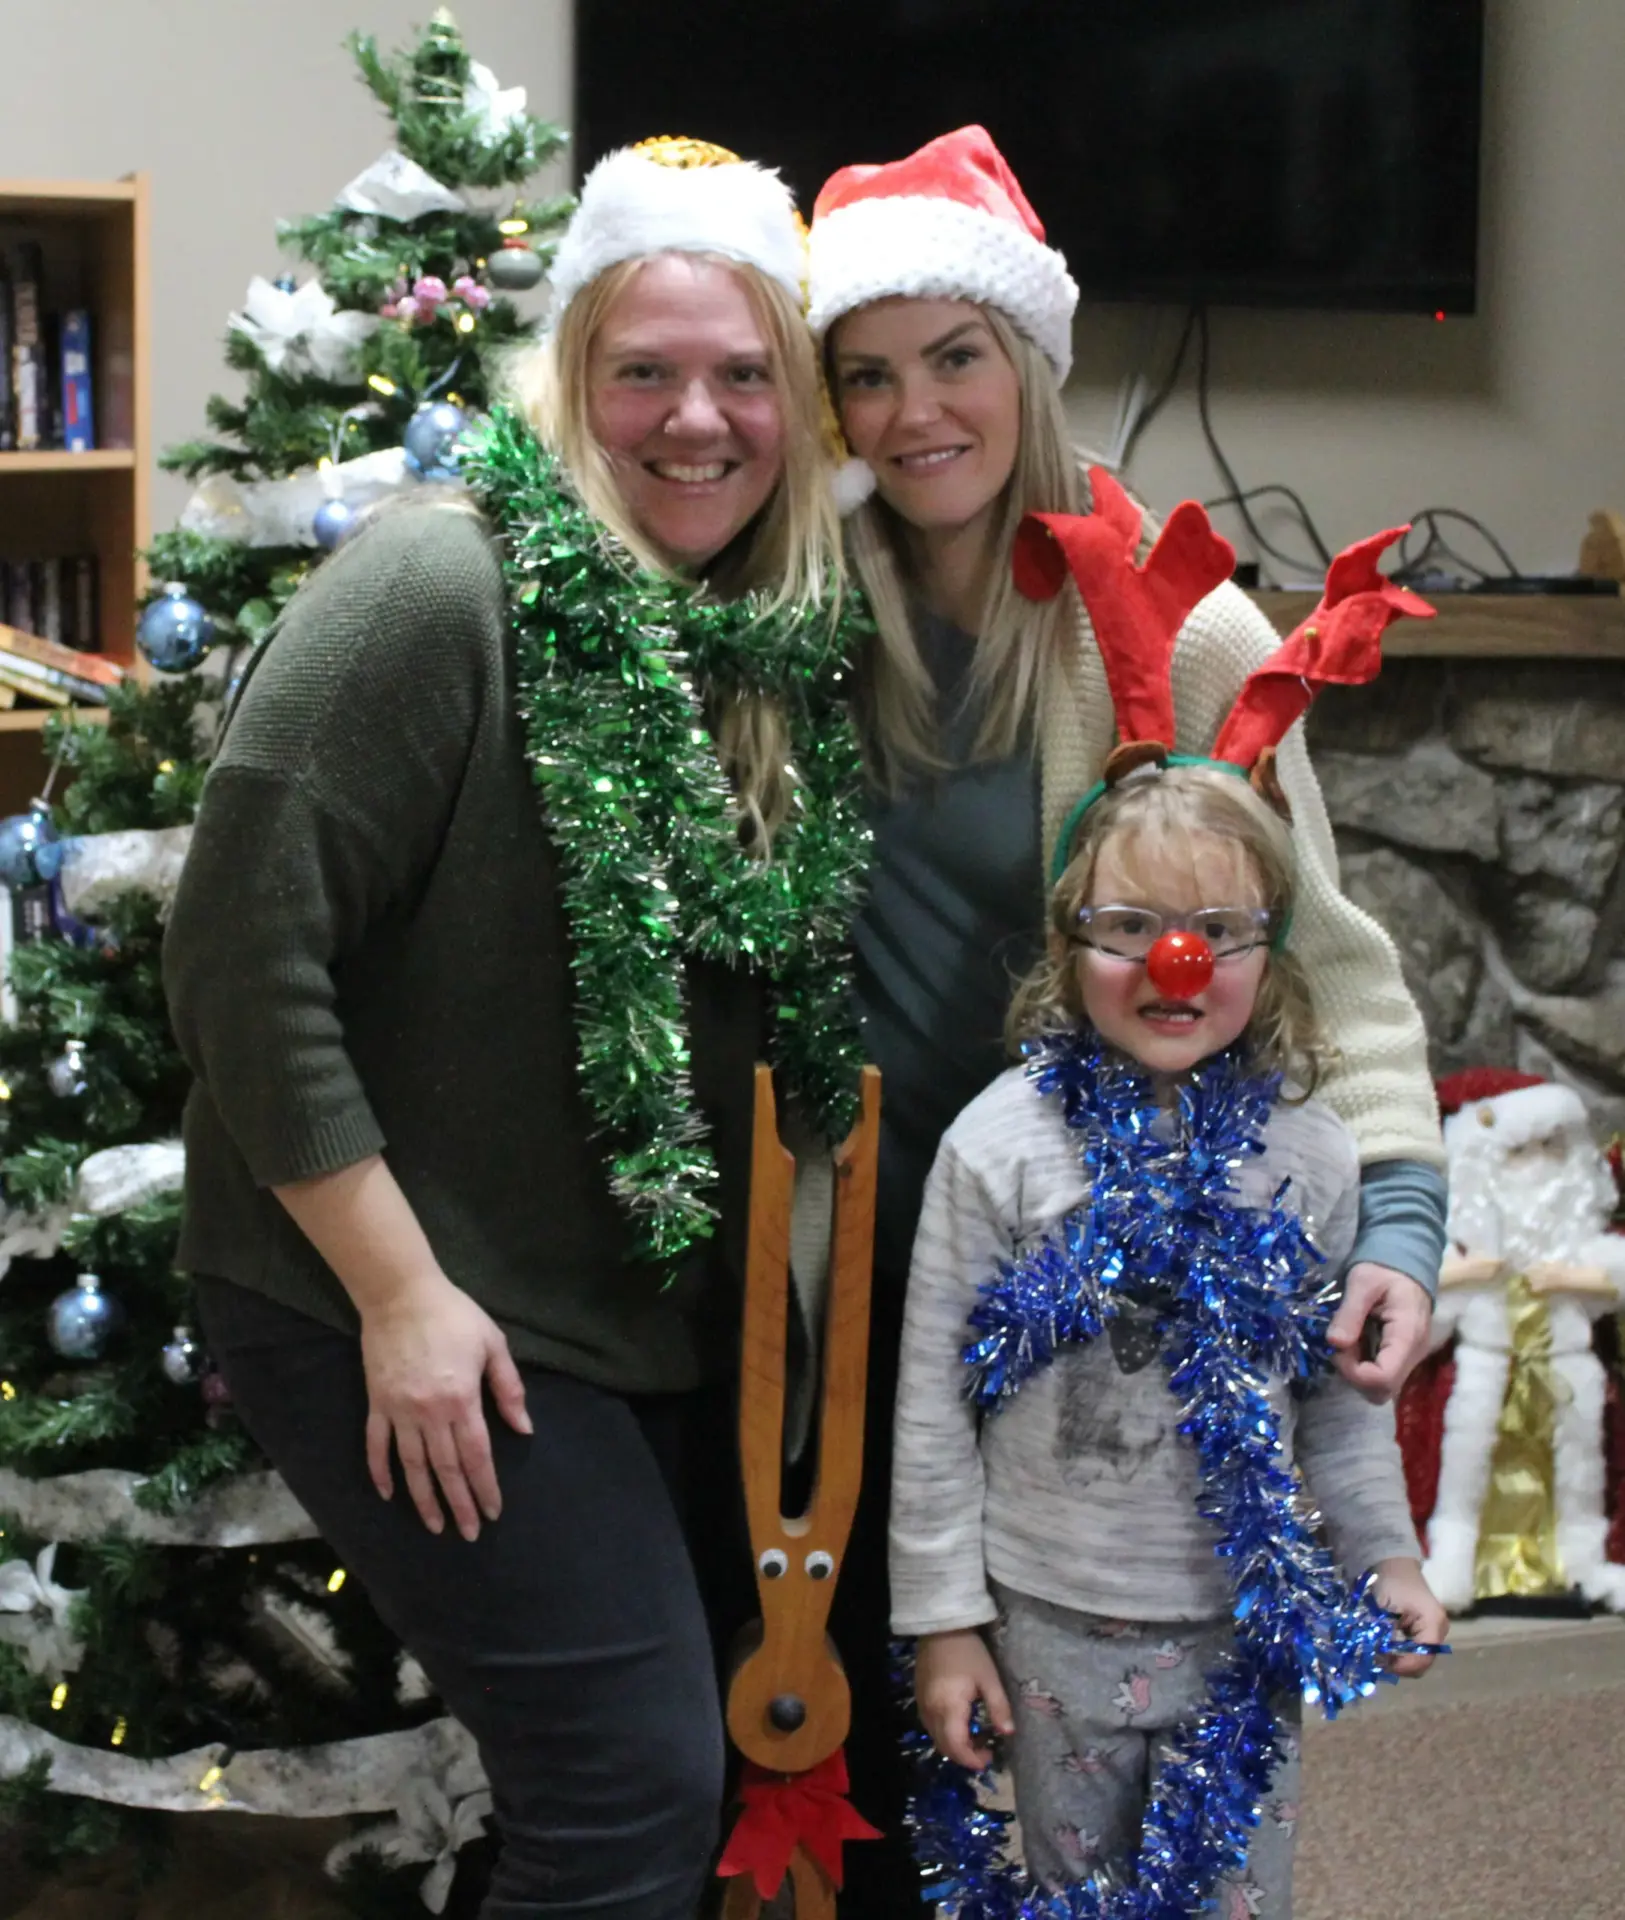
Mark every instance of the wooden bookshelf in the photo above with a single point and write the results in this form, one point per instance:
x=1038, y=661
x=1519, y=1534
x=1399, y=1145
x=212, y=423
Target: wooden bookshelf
x=94, y=236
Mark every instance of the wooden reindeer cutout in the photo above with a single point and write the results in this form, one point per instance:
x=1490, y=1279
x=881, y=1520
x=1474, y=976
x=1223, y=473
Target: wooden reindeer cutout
x=789, y=1705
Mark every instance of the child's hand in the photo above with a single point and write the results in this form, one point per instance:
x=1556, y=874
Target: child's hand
x=1407, y=1596
x=952, y=1671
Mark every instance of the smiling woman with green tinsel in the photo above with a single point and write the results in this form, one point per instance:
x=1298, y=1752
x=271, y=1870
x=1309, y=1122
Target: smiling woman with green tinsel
x=535, y=821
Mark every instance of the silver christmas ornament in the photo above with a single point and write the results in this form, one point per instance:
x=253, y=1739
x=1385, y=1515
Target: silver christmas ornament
x=183, y=1358
x=514, y=268
x=66, y=1073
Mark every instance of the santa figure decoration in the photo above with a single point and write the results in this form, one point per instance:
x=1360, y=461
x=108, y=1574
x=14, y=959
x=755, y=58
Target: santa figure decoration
x=1517, y=1500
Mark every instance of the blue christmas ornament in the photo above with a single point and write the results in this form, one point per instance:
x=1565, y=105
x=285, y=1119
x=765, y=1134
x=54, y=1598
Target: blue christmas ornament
x=84, y=1322
x=30, y=848
x=175, y=632
x=332, y=520
x=431, y=440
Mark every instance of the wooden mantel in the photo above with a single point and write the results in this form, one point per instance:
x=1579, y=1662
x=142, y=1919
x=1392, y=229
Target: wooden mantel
x=1486, y=626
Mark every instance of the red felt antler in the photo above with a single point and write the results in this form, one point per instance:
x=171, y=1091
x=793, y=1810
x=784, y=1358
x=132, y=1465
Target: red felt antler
x=1340, y=644
x=1136, y=611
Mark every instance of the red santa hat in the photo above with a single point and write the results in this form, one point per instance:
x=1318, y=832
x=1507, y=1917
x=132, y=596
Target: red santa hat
x=674, y=195
x=1517, y=1108
x=948, y=223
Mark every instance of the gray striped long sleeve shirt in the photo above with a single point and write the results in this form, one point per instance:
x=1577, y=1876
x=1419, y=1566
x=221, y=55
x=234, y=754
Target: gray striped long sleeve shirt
x=1081, y=1491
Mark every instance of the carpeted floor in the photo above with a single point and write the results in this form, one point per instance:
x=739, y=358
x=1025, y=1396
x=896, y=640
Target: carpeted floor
x=1493, y=1791
x=1496, y=1811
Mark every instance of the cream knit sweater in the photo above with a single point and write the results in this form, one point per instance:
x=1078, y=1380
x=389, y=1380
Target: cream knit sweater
x=1379, y=1083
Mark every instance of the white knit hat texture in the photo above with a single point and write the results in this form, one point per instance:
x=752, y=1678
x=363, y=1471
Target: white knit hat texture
x=948, y=223
x=673, y=195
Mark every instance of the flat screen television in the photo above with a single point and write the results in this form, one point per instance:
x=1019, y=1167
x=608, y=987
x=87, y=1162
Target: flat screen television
x=1244, y=152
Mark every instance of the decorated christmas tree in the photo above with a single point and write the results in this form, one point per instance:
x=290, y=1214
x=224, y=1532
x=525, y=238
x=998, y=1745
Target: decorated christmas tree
x=172, y=1634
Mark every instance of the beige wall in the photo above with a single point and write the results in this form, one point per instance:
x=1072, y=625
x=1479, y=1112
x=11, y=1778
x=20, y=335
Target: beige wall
x=244, y=110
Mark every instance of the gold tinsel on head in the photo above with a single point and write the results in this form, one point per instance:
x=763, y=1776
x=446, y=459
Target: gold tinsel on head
x=677, y=150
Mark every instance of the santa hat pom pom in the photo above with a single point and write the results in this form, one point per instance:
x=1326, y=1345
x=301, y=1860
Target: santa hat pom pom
x=852, y=484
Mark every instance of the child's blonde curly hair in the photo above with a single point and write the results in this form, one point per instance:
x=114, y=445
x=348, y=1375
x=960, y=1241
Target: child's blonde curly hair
x=1164, y=814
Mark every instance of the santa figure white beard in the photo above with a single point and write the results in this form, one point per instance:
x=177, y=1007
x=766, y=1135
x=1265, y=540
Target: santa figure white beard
x=1533, y=1205
x=1529, y=1205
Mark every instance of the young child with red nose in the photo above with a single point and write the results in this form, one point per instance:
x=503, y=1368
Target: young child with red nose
x=1066, y=1555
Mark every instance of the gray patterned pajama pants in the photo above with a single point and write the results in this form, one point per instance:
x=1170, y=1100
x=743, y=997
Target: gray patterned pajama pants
x=1093, y=1700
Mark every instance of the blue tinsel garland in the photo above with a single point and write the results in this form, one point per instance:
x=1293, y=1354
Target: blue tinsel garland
x=1238, y=1300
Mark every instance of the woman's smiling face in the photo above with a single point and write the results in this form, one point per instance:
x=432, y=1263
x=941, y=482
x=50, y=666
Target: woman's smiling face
x=929, y=399
x=683, y=399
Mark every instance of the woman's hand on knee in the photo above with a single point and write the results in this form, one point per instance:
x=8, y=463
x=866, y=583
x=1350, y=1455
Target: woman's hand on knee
x=952, y=1671
x=428, y=1351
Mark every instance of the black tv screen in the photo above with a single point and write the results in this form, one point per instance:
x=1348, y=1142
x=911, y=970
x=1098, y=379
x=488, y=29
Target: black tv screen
x=1246, y=152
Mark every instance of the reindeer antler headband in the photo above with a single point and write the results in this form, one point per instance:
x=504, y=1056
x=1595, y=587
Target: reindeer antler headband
x=1137, y=611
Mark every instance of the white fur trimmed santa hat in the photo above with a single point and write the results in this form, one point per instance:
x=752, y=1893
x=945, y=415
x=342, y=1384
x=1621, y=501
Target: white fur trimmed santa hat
x=948, y=223
x=1515, y=1109
x=673, y=195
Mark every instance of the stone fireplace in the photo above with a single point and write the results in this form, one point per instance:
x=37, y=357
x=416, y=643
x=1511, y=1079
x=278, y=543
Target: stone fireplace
x=1479, y=807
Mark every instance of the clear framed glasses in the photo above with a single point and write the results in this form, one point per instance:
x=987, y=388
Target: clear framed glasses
x=1129, y=933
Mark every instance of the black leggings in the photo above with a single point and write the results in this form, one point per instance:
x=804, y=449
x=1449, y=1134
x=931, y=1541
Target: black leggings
x=882, y=1878
x=569, y=1638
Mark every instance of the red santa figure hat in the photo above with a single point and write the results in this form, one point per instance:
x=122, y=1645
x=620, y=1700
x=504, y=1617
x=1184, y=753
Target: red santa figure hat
x=948, y=223
x=1515, y=1108
x=673, y=195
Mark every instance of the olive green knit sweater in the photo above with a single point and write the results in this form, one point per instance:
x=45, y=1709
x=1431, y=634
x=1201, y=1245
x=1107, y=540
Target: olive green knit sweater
x=369, y=954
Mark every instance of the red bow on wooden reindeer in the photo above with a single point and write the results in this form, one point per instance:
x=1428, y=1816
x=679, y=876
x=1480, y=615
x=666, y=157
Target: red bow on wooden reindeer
x=1137, y=609
x=785, y=1810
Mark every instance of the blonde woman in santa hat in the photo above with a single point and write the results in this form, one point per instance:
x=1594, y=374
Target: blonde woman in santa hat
x=419, y=1229
x=946, y=325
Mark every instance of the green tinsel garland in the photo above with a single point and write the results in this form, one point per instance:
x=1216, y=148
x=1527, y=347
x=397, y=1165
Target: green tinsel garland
x=613, y=664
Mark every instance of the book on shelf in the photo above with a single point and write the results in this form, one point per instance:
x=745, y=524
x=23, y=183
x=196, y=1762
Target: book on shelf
x=28, y=385
x=16, y=595
x=51, y=684
x=48, y=599
x=18, y=680
x=77, y=415
x=8, y=410
x=26, y=913
x=83, y=607
x=88, y=666
x=56, y=600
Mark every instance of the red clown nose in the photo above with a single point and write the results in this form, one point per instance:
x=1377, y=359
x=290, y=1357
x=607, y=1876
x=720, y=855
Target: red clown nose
x=1180, y=965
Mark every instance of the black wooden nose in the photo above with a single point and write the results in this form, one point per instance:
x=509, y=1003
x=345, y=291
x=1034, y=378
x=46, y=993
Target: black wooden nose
x=787, y=1711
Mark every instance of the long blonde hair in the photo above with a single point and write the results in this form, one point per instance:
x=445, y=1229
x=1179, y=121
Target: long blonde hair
x=1166, y=813
x=789, y=553
x=1021, y=649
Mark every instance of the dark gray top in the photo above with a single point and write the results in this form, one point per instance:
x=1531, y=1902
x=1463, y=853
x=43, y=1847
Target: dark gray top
x=369, y=953
x=954, y=916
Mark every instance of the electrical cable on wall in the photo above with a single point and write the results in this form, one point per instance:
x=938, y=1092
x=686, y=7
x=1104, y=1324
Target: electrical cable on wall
x=1151, y=408
x=1434, y=562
